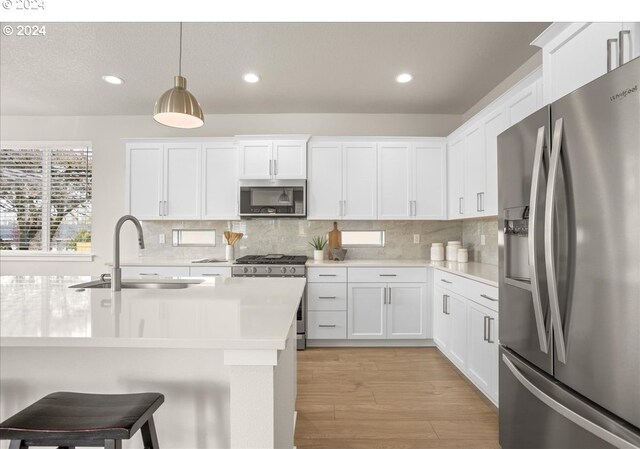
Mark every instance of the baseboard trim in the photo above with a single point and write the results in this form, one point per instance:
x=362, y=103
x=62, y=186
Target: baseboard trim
x=369, y=343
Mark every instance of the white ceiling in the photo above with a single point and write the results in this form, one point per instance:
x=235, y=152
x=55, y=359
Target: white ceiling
x=305, y=67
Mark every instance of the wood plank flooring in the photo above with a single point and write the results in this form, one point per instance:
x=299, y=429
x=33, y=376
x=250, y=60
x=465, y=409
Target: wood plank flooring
x=388, y=398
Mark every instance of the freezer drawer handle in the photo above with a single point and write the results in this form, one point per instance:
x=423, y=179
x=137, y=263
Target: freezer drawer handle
x=572, y=416
x=489, y=298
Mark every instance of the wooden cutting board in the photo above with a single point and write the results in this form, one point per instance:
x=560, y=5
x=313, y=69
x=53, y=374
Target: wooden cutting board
x=335, y=239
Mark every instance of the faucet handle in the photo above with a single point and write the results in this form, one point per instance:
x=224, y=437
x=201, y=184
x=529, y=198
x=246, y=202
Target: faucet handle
x=105, y=276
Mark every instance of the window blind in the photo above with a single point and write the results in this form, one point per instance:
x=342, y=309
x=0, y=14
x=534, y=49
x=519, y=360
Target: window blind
x=45, y=198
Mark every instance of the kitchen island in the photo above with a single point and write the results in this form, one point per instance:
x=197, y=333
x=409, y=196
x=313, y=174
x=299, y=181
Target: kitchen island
x=222, y=352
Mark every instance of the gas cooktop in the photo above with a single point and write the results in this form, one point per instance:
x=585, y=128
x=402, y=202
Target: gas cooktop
x=275, y=259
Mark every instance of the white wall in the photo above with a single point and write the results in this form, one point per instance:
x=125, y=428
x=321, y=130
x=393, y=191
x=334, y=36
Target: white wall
x=106, y=132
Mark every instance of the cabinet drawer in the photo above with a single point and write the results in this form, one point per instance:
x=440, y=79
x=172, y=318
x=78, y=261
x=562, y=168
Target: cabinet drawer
x=327, y=296
x=476, y=291
x=483, y=294
x=391, y=274
x=444, y=279
x=327, y=274
x=155, y=271
x=210, y=271
x=327, y=325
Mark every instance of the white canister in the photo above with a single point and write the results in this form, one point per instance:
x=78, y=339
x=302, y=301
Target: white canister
x=318, y=254
x=228, y=252
x=463, y=255
x=452, y=250
x=437, y=251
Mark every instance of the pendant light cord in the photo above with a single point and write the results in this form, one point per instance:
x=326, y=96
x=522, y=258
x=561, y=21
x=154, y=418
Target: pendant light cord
x=180, y=59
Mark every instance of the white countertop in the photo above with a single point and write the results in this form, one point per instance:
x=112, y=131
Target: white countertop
x=223, y=313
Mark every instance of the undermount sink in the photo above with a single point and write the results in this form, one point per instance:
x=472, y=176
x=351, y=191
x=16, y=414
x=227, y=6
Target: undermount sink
x=141, y=283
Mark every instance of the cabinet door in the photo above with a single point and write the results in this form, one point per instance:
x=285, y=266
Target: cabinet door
x=359, y=181
x=482, y=362
x=255, y=160
x=455, y=170
x=457, y=308
x=494, y=124
x=394, y=181
x=475, y=169
x=576, y=56
x=407, y=311
x=324, y=186
x=429, y=170
x=366, y=311
x=441, y=321
x=220, y=181
x=290, y=160
x=523, y=103
x=182, y=181
x=144, y=180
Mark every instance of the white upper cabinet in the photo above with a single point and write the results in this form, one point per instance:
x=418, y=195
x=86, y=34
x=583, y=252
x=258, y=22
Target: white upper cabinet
x=272, y=158
x=575, y=53
x=219, y=181
x=359, y=181
x=395, y=173
x=163, y=180
x=524, y=102
x=324, y=186
x=429, y=180
x=494, y=124
x=455, y=175
x=475, y=184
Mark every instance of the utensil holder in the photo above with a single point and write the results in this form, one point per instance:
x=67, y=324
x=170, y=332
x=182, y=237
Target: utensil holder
x=228, y=252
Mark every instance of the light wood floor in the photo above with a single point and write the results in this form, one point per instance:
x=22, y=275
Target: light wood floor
x=395, y=398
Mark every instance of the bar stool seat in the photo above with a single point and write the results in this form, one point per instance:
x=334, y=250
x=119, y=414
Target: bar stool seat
x=67, y=420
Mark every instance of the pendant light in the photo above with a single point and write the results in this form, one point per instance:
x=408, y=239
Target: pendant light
x=177, y=107
x=284, y=198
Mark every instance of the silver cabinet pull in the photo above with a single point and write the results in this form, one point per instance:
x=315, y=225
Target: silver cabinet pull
x=385, y=295
x=160, y=208
x=489, y=340
x=485, y=328
x=478, y=202
x=533, y=240
x=445, y=298
x=549, y=245
x=166, y=209
x=275, y=167
x=446, y=282
x=388, y=275
x=344, y=208
x=326, y=297
x=326, y=325
x=327, y=275
x=624, y=47
x=612, y=62
x=460, y=205
x=210, y=274
x=389, y=302
x=488, y=297
x=148, y=274
x=270, y=167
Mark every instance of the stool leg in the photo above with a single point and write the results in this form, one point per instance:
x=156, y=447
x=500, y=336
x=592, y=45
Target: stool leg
x=18, y=444
x=112, y=444
x=149, y=437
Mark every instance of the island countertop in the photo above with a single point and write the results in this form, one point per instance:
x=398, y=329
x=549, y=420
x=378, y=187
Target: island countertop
x=222, y=313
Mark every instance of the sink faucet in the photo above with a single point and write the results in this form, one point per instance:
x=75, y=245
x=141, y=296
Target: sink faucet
x=116, y=272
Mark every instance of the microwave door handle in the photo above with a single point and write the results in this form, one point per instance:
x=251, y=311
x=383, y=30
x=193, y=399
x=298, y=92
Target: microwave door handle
x=533, y=243
x=549, y=246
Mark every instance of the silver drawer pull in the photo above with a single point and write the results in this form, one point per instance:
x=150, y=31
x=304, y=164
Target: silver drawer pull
x=388, y=275
x=327, y=275
x=326, y=297
x=149, y=274
x=210, y=274
x=326, y=325
x=488, y=297
x=446, y=282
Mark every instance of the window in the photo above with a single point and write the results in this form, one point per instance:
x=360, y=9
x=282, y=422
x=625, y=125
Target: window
x=362, y=239
x=45, y=198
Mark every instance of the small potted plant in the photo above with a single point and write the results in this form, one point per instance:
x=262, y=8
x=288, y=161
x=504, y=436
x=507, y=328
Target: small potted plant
x=318, y=244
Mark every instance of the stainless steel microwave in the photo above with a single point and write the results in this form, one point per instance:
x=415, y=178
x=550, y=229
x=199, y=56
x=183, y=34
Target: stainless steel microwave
x=273, y=198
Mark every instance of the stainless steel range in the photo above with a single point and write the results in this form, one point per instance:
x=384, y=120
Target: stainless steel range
x=277, y=265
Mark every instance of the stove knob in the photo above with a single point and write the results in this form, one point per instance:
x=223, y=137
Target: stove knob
x=254, y=270
x=283, y=270
x=292, y=270
x=245, y=270
x=268, y=270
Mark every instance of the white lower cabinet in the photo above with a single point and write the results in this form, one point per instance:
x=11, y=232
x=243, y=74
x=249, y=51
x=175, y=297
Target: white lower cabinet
x=327, y=303
x=139, y=270
x=323, y=324
x=466, y=328
x=393, y=310
x=210, y=272
x=482, y=362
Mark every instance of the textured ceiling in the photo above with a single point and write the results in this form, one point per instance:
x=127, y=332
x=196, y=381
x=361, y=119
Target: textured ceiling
x=305, y=67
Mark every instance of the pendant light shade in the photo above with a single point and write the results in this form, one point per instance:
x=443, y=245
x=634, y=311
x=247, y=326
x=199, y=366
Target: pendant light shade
x=177, y=107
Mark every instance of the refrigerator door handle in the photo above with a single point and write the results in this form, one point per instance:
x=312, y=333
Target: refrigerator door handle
x=588, y=425
x=533, y=244
x=554, y=304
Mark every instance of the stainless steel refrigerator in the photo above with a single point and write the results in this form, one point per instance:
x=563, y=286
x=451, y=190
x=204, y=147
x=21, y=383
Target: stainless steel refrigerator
x=569, y=211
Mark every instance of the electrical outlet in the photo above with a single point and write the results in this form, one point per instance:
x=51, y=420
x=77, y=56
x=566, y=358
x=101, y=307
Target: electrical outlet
x=416, y=238
x=482, y=239
x=161, y=238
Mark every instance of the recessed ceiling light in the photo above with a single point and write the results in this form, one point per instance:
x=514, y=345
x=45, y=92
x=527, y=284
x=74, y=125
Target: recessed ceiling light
x=251, y=77
x=112, y=79
x=404, y=78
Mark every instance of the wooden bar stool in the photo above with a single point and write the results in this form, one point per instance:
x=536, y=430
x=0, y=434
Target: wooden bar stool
x=68, y=420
